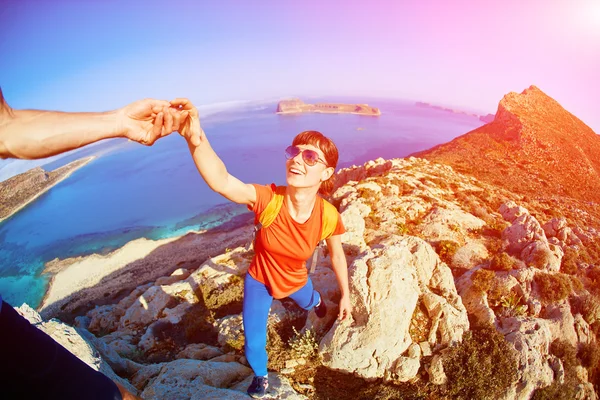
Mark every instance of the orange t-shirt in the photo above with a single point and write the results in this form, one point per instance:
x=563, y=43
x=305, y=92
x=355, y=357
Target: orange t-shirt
x=282, y=248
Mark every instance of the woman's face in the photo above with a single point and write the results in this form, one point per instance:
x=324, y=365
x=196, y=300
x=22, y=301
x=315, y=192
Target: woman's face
x=301, y=175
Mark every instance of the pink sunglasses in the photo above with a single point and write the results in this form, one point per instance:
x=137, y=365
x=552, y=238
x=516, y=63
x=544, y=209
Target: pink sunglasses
x=310, y=157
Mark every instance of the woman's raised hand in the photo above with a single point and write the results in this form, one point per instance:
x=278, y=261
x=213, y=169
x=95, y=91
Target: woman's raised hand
x=190, y=127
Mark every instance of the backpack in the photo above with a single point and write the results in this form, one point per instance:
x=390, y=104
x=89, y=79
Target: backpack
x=266, y=218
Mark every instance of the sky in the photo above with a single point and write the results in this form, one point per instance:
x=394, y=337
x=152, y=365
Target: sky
x=99, y=55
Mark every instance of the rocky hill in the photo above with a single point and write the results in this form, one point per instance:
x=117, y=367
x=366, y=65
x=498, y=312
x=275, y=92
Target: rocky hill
x=460, y=289
x=533, y=146
x=294, y=106
x=22, y=189
x=466, y=282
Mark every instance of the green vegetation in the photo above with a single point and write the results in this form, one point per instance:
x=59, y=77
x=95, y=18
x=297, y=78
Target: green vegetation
x=402, y=228
x=483, y=366
x=304, y=345
x=279, y=335
x=511, y=306
x=446, y=250
x=235, y=343
x=593, y=278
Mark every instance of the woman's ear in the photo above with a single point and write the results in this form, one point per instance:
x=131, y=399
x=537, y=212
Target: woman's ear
x=326, y=174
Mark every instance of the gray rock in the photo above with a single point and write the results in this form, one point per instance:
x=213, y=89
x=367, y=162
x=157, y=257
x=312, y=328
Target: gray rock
x=181, y=379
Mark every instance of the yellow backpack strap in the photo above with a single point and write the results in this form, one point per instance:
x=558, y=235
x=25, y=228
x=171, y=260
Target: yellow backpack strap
x=267, y=216
x=272, y=209
x=329, y=223
x=330, y=220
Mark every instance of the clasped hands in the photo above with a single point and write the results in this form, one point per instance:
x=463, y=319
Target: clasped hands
x=146, y=121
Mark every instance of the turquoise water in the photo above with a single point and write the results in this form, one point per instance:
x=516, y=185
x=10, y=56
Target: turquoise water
x=133, y=191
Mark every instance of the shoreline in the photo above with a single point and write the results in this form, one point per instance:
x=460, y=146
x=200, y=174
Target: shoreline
x=78, y=284
x=86, y=161
x=92, y=267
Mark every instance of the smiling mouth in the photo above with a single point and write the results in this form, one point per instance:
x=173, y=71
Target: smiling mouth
x=295, y=171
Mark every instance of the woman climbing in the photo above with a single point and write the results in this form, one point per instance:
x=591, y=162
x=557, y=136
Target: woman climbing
x=294, y=219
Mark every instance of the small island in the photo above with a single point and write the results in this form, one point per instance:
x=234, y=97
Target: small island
x=20, y=190
x=295, y=106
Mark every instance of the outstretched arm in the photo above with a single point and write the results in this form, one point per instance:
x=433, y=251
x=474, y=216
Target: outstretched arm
x=340, y=267
x=210, y=166
x=32, y=134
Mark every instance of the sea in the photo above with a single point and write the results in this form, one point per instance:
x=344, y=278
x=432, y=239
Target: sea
x=131, y=191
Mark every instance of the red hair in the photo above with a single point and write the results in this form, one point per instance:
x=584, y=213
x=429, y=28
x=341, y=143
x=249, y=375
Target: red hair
x=329, y=150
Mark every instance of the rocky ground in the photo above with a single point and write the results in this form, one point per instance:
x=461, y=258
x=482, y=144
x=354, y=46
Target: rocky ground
x=460, y=289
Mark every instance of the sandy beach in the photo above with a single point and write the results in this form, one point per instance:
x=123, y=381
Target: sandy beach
x=79, y=284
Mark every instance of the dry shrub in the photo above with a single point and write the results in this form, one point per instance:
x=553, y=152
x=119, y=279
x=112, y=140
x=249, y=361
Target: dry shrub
x=482, y=280
x=552, y=288
x=369, y=195
x=420, y=324
x=568, y=263
x=483, y=366
x=593, y=276
x=541, y=257
x=502, y=262
x=304, y=345
x=446, y=250
x=222, y=300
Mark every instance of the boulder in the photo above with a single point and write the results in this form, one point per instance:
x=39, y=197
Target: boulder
x=279, y=388
x=531, y=337
x=471, y=254
x=449, y=224
x=386, y=286
x=70, y=339
x=510, y=211
x=199, y=351
x=183, y=379
x=104, y=319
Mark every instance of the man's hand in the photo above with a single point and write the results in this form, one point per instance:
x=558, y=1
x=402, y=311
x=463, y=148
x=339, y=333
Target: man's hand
x=190, y=128
x=145, y=121
x=345, y=308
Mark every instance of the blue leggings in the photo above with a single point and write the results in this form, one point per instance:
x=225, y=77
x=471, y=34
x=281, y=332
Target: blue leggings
x=257, y=303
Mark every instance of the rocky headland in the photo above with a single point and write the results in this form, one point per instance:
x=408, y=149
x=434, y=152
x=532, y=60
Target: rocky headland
x=463, y=286
x=533, y=146
x=295, y=106
x=20, y=190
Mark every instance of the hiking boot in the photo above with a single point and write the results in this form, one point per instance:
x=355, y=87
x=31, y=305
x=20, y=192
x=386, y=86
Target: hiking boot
x=258, y=387
x=321, y=309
